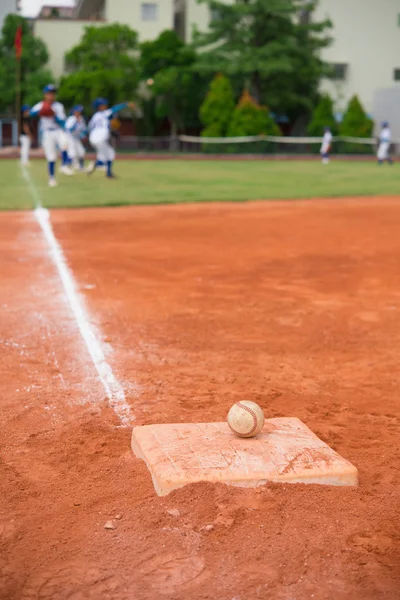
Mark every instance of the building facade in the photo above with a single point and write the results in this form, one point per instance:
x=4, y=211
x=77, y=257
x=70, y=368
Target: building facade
x=48, y=11
x=60, y=34
x=365, y=52
x=7, y=7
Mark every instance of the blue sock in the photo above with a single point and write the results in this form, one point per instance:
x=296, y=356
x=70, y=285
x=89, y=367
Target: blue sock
x=109, y=168
x=52, y=168
x=65, y=159
x=81, y=163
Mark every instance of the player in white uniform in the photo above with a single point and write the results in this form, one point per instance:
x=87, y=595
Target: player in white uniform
x=326, y=145
x=26, y=134
x=385, y=139
x=76, y=129
x=53, y=135
x=99, y=133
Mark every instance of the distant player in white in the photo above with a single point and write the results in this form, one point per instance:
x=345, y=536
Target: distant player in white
x=326, y=145
x=100, y=134
x=76, y=129
x=385, y=139
x=52, y=123
x=26, y=134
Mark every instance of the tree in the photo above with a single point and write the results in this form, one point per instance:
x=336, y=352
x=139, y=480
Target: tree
x=102, y=64
x=276, y=54
x=176, y=88
x=33, y=73
x=217, y=108
x=165, y=51
x=249, y=118
x=322, y=117
x=356, y=123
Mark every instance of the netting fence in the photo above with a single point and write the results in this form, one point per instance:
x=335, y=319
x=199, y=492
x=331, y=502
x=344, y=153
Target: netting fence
x=252, y=145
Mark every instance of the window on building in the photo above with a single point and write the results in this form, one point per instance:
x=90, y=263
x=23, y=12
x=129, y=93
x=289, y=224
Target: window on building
x=396, y=74
x=339, y=71
x=149, y=11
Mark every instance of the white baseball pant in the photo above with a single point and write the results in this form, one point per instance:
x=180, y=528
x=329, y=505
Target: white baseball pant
x=383, y=151
x=76, y=149
x=104, y=151
x=52, y=141
x=25, y=141
x=325, y=147
x=99, y=139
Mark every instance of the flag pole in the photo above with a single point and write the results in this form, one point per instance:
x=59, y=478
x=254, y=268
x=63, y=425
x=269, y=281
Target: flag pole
x=18, y=54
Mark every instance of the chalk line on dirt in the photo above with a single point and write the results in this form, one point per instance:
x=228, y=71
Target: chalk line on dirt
x=113, y=388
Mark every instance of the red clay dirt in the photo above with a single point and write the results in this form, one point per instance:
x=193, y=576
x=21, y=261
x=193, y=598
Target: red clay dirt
x=293, y=305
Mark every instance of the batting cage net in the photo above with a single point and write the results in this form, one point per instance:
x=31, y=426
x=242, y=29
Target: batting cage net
x=252, y=145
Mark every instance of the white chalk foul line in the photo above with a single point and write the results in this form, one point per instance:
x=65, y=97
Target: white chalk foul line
x=113, y=388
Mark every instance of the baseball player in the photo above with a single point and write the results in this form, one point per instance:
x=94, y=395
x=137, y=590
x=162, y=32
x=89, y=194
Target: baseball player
x=26, y=134
x=326, y=145
x=76, y=129
x=52, y=123
x=385, y=138
x=100, y=133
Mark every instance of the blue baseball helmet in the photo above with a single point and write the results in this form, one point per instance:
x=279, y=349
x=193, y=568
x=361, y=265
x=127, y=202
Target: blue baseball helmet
x=50, y=89
x=100, y=102
x=385, y=124
x=25, y=107
x=77, y=108
x=327, y=128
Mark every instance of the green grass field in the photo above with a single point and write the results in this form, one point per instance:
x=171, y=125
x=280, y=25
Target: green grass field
x=162, y=182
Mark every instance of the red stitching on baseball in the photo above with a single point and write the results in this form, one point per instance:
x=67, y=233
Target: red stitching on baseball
x=252, y=413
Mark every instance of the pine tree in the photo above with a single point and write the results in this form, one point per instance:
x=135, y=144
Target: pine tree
x=249, y=118
x=322, y=116
x=217, y=108
x=356, y=123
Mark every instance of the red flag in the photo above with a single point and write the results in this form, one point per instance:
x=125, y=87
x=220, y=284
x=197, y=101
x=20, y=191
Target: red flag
x=18, y=43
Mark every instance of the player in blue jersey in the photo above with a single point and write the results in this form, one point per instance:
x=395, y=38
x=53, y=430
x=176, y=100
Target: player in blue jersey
x=76, y=129
x=52, y=124
x=326, y=145
x=385, y=139
x=100, y=133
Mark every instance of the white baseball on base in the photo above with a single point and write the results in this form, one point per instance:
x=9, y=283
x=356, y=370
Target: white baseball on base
x=246, y=418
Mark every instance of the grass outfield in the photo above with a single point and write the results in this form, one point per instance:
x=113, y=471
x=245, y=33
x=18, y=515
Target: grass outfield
x=172, y=181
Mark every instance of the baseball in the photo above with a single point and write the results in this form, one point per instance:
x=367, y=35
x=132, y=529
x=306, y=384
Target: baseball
x=246, y=418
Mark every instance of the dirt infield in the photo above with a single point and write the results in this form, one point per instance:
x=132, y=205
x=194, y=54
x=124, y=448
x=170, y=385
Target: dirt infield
x=293, y=305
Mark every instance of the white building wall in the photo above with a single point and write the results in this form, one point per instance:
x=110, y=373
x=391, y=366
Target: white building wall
x=198, y=15
x=367, y=37
x=60, y=36
x=6, y=7
x=130, y=12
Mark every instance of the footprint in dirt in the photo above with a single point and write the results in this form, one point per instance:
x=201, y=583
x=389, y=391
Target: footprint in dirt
x=7, y=528
x=75, y=582
x=7, y=580
x=371, y=542
x=169, y=573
